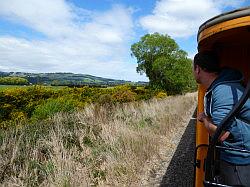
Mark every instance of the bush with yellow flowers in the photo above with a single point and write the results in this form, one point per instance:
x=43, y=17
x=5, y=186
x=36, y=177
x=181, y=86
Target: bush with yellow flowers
x=41, y=102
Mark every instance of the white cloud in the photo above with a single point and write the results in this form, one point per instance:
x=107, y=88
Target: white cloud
x=182, y=18
x=78, y=40
x=52, y=18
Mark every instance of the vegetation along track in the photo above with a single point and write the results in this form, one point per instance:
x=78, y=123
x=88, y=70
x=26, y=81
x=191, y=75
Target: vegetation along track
x=175, y=167
x=101, y=145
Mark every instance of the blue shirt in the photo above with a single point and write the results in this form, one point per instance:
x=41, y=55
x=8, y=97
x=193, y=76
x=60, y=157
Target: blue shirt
x=220, y=98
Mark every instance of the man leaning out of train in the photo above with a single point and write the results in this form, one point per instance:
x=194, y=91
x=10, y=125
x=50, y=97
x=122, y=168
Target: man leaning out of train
x=224, y=87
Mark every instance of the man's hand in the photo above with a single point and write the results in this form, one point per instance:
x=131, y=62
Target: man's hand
x=211, y=127
x=202, y=116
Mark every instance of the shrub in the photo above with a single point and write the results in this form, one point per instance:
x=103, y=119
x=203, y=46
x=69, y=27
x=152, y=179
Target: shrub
x=40, y=102
x=124, y=96
x=52, y=106
x=18, y=116
x=105, y=99
x=5, y=110
x=161, y=95
x=144, y=93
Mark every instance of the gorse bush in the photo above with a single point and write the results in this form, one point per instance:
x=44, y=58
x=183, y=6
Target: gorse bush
x=40, y=102
x=161, y=95
x=124, y=95
x=22, y=101
x=51, y=106
x=105, y=99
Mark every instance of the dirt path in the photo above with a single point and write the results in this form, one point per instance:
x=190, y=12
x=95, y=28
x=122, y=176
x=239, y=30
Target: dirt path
x=176, y=166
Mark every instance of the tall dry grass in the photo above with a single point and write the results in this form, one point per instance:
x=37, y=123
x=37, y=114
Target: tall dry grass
x=101, y=145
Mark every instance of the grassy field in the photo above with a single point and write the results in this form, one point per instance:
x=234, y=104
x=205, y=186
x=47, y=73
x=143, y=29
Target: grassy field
x=3, y=87
x=104, y=145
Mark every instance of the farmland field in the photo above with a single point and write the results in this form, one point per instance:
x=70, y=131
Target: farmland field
x=3, y=87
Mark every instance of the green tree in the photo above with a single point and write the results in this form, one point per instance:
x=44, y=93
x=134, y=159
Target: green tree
x=164, y=63
x=13, y=81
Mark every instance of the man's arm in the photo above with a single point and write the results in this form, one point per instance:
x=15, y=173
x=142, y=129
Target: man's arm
x=211, y=128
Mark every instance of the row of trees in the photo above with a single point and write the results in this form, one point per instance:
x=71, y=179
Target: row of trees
x=13, y=81
x=164, y=63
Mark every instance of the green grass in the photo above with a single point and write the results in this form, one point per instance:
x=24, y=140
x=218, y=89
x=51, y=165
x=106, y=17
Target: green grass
x=3, y=87
x=56, y=87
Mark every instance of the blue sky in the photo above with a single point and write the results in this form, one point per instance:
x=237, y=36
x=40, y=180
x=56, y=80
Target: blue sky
x=94, y=36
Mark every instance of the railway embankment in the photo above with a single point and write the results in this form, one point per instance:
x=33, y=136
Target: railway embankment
x=174, y=166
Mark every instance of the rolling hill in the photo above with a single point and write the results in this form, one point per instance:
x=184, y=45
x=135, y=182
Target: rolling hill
x=67, y=79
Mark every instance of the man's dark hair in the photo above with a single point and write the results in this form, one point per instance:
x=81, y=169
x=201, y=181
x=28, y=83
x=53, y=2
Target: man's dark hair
x=208, y=61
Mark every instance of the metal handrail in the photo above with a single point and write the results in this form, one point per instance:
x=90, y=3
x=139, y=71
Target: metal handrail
x=232, y=149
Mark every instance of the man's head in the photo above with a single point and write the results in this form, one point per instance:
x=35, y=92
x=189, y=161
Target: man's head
x=206, y=66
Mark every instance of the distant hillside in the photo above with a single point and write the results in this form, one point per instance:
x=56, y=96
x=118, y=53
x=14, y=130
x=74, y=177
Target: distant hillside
x=67, y=79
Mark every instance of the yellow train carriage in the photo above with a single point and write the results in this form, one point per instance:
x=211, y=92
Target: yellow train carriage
x=229, y=35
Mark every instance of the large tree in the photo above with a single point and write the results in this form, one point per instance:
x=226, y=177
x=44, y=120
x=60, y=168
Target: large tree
x=165, y=64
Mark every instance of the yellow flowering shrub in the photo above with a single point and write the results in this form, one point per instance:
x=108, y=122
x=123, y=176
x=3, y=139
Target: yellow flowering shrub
x=161, y=95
